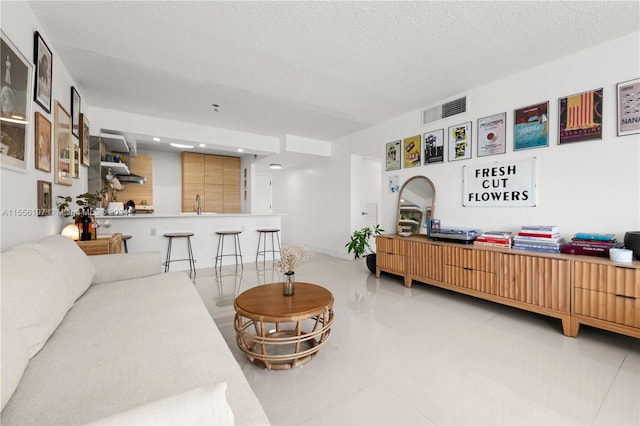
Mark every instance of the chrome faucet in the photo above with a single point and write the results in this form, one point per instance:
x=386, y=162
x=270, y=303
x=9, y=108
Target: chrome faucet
x=198, y=209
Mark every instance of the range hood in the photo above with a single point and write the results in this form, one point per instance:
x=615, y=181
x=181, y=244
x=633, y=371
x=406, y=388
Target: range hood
x=131, y=177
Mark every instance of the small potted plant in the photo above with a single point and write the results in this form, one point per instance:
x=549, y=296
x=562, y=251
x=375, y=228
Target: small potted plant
x=359, y=245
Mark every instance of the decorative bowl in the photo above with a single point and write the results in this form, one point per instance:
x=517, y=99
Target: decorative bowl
x=405, y=234
x=620, y=255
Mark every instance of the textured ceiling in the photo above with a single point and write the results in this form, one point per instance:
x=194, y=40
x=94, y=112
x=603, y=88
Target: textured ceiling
x=316, y=69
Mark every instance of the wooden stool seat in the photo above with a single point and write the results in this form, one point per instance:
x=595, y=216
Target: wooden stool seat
x=220, y=254
x=264, y=251
x=124, y=242
x=190, y=258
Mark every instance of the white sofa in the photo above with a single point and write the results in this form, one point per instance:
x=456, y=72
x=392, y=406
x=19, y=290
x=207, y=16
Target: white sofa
x=111, y=340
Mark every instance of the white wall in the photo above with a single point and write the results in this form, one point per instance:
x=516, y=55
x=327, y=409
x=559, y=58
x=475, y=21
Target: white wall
x=315, y=201
x=19, y=190
x=584, y=186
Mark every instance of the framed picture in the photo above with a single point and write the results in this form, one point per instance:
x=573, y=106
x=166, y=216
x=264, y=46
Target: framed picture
x=44, y=198
x=75, y=112
x=492, y=135
x=76, y=162
x=434, y=147
x=15, y=108
x=412, y=152
x=629, y=107
x=531, y=126
x=44, y=72
x=393, y=156
x=580, y=117
x=64, y=146
x=460, y=142
x=84, y=141
x=43, y=143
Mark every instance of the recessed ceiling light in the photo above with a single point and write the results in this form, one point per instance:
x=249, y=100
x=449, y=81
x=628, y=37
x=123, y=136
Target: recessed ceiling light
x=156, y=139
x=202, y=145
x=240, y=150
x=180, y=145
x=275, y=166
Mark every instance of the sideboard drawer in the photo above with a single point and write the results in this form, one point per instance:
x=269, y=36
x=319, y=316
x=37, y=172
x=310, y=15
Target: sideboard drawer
x=607, y=306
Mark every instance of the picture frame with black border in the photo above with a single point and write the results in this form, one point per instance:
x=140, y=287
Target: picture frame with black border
x=460, y=141
x=580, y=117
x=45, y=197
x=434, y=147
x=75, y=112
x=16, y=85
x=76, y=162
x=43, y=58
x=531, y=126
x=628, y=107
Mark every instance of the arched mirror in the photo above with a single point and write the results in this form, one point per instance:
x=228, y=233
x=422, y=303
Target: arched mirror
x=415, y=206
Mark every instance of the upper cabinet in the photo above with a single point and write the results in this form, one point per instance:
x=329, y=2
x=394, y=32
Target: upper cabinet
x=215, y=179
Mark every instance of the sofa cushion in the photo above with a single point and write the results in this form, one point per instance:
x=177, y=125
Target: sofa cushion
x=206, y=405
x=14, y=356
x=71, y=261
x=34, y=294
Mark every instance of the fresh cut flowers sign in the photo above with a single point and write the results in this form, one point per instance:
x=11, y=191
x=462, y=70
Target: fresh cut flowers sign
x=500, y=184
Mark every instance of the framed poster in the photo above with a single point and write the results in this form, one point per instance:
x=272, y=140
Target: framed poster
x=64, y=146
x=43, y=143
x=434, y=147
x=460, y=142
x=629, y=107
x=76, y=162
x=393, y=155
x=394, y=184
x=75, y=112
x=412, y=152
x=15, y=108
x=44, y=72
x=492, y=135
x=531, y=126
x=44, y=198
x=85, y=142
x=580, y=117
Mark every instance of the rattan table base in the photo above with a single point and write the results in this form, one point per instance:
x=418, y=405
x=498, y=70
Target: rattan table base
x=280, y=332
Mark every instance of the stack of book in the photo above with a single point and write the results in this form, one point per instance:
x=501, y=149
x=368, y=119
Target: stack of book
x=590, y=244
x=539, y=238
x=495, y=239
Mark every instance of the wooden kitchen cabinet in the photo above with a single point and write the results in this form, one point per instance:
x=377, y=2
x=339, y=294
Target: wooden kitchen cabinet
x=141, y=165
x=215, y=178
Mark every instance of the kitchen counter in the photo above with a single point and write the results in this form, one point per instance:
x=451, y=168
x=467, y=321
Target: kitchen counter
x=148, y=229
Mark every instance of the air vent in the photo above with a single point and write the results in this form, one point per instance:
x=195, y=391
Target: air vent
x=448, y=109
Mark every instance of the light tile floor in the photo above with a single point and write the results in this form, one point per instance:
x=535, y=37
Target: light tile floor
x=424, y=355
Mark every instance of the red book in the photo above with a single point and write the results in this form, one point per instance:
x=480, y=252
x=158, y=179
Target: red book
x=585, y=250
x=505, y=241
x=538, y=234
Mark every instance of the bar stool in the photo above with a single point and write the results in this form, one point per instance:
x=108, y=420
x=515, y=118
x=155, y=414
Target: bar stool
x=124, y=242
x=190, y=259
x=236, y=245
x=264, y=251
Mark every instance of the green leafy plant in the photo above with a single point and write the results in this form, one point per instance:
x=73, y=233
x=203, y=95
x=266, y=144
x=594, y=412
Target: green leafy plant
x=89, y=201
x=359, y=242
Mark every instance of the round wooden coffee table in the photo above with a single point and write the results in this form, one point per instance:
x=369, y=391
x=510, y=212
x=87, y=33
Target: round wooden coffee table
x=281, y=332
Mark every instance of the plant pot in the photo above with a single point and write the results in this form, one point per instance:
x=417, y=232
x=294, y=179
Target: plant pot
x=371, y=262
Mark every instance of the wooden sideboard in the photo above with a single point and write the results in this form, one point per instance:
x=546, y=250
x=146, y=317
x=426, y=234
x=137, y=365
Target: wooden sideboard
x=575, y=289
x=102, y=245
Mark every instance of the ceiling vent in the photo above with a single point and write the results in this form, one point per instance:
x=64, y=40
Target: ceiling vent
x=448, y=109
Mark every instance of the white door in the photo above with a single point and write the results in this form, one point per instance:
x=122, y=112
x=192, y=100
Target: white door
x=261, y=202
